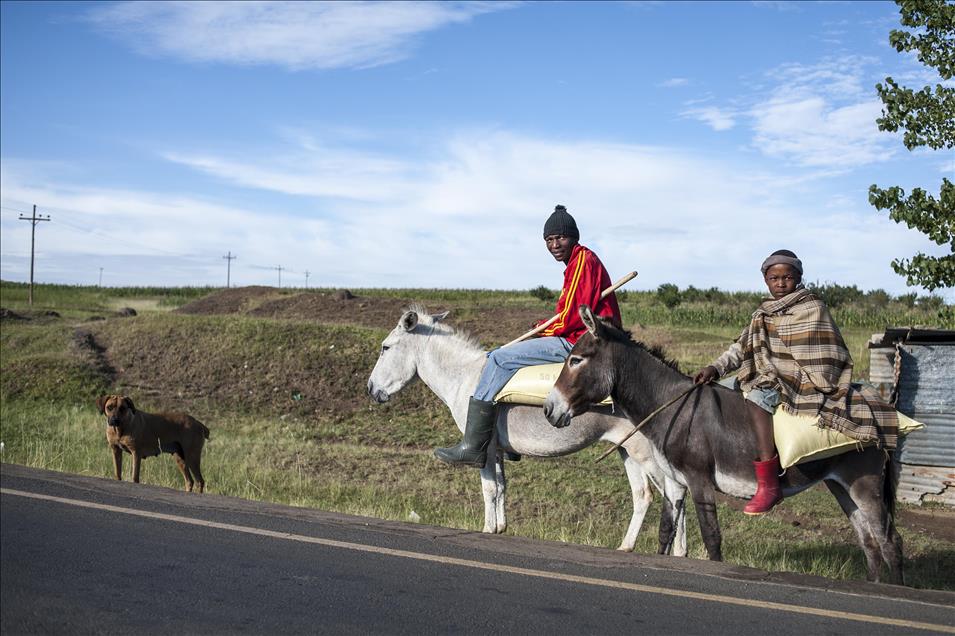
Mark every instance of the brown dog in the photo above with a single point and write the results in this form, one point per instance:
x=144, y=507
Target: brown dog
x=147, y=435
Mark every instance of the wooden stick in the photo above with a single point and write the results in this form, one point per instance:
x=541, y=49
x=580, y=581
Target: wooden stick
x=645, y=420
x=620, y=283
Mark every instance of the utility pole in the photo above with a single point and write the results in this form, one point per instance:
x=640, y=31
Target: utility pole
x=33, y=221
x=100, y=277
x=228, y=268
x=280, y=268
x=306, y=278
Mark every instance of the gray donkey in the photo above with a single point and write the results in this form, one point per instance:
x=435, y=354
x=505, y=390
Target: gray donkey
x=705, y=441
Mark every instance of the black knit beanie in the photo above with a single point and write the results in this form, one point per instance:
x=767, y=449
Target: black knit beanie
x=562, y=223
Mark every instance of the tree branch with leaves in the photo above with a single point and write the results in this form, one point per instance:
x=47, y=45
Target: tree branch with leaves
x=926, y=118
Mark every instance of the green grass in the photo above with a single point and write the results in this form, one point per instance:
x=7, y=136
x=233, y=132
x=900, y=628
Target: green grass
x=285, y=401
x=569, y=499
x=40, y=361
x=638, y=307
x=78, y=301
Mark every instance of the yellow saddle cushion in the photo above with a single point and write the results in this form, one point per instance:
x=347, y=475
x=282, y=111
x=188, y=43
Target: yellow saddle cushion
x=799, y=439
x=530, y=385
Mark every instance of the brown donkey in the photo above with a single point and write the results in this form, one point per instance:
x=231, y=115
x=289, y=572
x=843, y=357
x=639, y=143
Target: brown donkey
x=705, y=441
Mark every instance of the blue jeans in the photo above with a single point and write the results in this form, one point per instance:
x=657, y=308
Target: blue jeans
x=767, y=399
x=503, y=363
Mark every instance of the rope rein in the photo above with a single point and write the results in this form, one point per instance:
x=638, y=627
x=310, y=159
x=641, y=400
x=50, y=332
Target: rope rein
x=645, y=420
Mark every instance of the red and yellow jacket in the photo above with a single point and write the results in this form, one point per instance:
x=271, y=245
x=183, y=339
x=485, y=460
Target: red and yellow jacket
x=584, y=279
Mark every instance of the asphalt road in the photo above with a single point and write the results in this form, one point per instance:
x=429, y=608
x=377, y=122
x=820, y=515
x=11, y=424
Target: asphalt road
x=84, y=555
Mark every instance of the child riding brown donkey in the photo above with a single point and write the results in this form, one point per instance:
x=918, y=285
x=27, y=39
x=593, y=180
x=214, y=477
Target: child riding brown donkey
x=792, y=354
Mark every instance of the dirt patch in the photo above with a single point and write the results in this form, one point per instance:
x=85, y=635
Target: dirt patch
x=935, y=522
x=87, y=348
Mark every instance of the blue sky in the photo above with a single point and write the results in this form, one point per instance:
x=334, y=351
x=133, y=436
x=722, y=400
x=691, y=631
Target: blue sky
x=424, y=145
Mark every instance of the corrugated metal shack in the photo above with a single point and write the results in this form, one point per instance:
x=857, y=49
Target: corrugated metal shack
x=916, y=368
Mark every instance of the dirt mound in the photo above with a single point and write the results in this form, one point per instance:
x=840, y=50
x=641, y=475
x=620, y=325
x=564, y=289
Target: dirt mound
x=335, y=308
x=495, y=325
x=7, y=314
x=491, y=323
x=29, y=314
x=338, y=307
x=236, y=300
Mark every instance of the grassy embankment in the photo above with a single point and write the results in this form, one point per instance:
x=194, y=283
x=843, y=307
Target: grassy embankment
x=290, y=422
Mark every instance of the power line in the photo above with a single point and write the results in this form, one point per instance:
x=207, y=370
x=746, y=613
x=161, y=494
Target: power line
x=33, y=221
x=100, y=233
x=278, y=268
x=124, y=240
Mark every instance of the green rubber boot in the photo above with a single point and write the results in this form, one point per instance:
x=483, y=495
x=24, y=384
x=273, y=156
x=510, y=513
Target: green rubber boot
x=472, y=451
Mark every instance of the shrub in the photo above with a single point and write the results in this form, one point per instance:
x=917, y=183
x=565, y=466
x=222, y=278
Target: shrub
x=542, y=293
x=908, y=299
x=669, y=295
x=931, y=303
x=878, y=298
x=836, y=295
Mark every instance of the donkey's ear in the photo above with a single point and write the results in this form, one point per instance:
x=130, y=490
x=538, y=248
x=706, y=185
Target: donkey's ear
x=590, y=321
x=441, y=316
x=129, y=404
x=409, y=320
x=101, y=403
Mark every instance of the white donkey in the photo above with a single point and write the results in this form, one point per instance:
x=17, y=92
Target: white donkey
x=449, y=363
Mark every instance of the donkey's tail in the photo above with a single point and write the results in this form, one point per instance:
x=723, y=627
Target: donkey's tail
x=889, y=486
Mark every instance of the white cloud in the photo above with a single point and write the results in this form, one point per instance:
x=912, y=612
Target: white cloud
x=842, y=78
x=295, y=35
x=819, y=116
x=674, y=82
x=148, y=237
x=810, y=131
x=468, y=216
x=778, y=5
x=714, y=117
x=319, y=173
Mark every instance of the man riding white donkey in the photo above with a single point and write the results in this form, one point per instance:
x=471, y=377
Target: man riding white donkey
x=584, y=279
x=792, y=354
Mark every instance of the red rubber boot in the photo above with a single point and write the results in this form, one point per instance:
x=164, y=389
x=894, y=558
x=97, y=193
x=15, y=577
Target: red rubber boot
x=768, y=492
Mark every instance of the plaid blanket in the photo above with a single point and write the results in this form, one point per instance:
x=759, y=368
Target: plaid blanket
x=793, y=345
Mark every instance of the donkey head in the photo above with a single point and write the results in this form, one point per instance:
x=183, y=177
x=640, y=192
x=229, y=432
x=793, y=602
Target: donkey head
x=398, y=361
x=588, y=374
